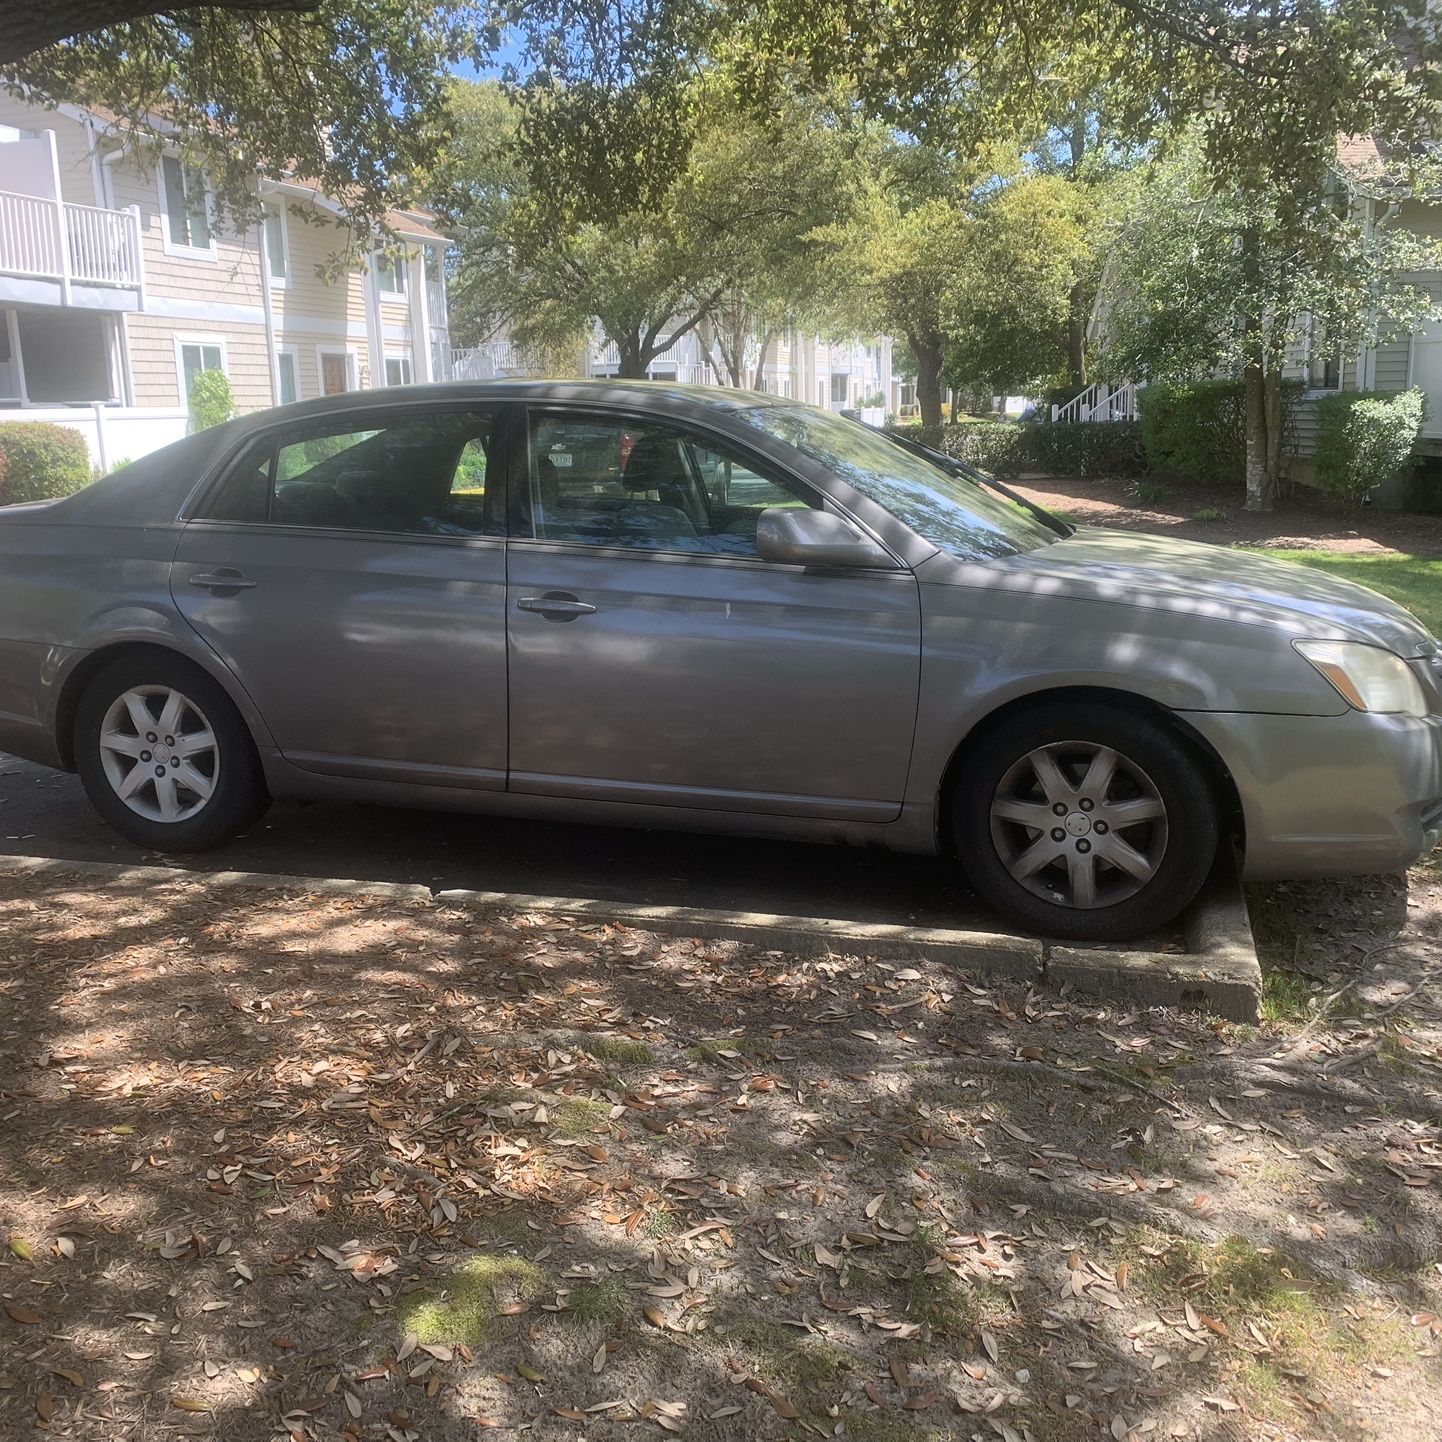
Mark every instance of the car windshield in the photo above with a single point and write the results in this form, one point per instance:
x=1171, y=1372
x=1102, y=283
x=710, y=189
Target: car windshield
x=952, y=513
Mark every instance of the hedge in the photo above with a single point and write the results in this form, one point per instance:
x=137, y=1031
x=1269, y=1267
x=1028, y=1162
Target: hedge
x=1009, y=448
x=40, y=461
x=1200, y=429
x=1365, y=437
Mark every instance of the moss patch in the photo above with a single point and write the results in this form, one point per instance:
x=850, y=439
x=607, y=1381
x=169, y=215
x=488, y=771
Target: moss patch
x=619, y=1050
x=462, y=1311
x=576, y=1117
x=597, y=1301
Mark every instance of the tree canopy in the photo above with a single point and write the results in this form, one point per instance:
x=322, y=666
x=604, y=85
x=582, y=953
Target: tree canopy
x=347, y=94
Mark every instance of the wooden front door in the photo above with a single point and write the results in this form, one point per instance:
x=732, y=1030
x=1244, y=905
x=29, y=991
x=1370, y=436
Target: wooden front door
x=334, y=377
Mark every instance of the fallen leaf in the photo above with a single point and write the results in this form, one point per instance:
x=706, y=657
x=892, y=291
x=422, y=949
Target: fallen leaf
x=27, y=1316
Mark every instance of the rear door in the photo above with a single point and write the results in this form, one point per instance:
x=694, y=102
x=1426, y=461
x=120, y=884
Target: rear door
x=351, y=573
x=655, y=658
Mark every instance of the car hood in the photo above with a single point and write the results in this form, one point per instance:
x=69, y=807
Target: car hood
x=1218, y=582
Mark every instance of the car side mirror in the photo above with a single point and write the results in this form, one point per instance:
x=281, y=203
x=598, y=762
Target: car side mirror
x=816, y=538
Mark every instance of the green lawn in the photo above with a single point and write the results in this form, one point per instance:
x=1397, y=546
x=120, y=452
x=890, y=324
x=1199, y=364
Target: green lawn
x=1413, y=582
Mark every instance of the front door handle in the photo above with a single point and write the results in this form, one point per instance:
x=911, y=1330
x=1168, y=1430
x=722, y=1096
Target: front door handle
x=556, y=606
x=224, y=579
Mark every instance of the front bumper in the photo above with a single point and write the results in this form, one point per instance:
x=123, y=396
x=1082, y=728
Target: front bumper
x=1330, y=795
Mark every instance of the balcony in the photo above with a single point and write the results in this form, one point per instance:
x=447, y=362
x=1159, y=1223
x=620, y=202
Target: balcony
x=57, y=253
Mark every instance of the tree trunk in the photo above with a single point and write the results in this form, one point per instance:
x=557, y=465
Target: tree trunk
x=928, y=381
x=1272, y=409
x=1259, y=478
x=955, y=406
x=1254, y=380
x=758, y=382
x=634, y=359
x=1076, y=337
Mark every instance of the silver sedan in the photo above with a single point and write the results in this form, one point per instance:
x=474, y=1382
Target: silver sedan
x=703, y=609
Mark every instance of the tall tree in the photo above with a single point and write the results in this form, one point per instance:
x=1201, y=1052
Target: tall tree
x=743, y=223
x=1238, y=278
x=343, y=93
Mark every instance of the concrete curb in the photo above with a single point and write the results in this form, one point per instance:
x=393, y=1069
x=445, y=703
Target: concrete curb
x=1219, y=973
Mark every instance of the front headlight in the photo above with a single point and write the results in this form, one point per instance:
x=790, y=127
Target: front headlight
x=1367, y=677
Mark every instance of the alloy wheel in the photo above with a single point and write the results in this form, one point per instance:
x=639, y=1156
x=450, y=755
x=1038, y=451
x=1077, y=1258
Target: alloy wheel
x=159, y=753
x=1079, y=824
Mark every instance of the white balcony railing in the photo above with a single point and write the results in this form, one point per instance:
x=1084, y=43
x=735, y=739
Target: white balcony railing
x=74, y=244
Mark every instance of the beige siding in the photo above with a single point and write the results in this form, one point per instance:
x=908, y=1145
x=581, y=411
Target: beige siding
x=1390, y=366
x=77, y=182
x=309, y=249
x=153, y=360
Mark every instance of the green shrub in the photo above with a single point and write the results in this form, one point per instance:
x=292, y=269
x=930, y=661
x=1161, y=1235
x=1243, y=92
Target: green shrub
x=1365, y=437
x=40, y=461
x=211, y=400
x=1147, y=491
x=1009, y=448
x=1200, y=429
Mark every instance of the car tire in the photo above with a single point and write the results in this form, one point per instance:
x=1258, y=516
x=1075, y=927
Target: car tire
x=212, y=786
x=1064, y=793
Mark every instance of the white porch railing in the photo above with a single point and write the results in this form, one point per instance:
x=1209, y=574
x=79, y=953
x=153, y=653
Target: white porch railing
x=1099, y=402
x=484, y=362
x=74, y=244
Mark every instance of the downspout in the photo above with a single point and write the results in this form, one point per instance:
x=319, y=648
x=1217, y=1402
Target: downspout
x=268, y=306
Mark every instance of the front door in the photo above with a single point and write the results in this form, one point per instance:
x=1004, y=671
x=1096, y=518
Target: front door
x=334, y=373
x=655, y=658
x=352, y=575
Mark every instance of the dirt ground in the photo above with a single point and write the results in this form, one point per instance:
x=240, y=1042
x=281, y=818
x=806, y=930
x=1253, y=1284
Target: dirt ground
x=278, y=1165
x=1197, y=511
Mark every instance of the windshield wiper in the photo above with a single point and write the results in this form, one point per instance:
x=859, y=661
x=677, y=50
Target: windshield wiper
x=978, y=477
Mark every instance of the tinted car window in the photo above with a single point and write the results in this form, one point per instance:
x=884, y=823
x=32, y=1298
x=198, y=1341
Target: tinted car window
x=609, y=481
x=953, y=514
x=421, y=475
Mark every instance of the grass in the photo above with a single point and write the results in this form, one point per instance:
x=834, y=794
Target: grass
x=464, y=1310
x=597, y=1301
x=1411, y=581
x=1210, y=513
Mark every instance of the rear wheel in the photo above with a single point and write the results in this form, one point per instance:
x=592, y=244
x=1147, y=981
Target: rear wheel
x=1085, y=822
x=164, y=755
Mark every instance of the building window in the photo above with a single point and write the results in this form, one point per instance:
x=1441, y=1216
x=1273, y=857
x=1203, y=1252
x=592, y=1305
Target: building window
x=187, y=205
x=839, y=386
x=197, y=356
x=277, y=255
x=391, y=276
x=289, y=382
x=398, y=370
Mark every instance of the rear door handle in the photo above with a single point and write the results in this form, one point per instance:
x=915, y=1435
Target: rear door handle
x=556, y=606
x=222, y=580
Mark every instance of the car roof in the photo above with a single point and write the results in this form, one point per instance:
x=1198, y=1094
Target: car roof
x=663, y=395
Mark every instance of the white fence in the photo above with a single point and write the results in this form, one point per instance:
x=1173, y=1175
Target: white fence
x=70, y=243
x=114, y=434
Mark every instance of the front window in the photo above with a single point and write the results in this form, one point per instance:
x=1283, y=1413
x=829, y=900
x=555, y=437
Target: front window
x=609, y=481
x=285, y=366
x=955, y=515
x=197, y=357
x=391, y=276
x=187, y=207
x=277, y=260
x=398, y=370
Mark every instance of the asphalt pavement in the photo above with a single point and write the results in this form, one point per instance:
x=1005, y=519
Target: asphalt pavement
x=45, y=813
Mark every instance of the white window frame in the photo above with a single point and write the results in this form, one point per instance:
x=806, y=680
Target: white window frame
x=278, y=282
x=293, y=352
x=352, y=370
x=184, y=339
x=190, y=252
x=403, y=359
x=401, y=294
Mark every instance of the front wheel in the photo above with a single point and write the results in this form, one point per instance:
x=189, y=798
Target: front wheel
x=164, y=755
x=1085, y=822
